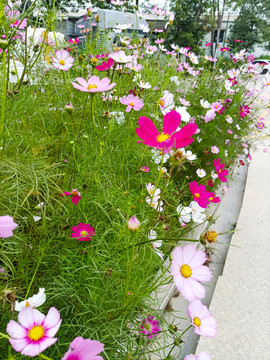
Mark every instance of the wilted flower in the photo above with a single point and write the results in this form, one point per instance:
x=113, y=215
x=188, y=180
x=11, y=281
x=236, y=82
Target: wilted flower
x=75, y=195
x=34, y=301
x=211, y=236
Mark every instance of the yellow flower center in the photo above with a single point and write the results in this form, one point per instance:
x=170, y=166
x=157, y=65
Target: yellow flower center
x=163, y=137
x=147, y=326
x=197, y=321
x=131, y=104
x=211, y=236
x=74, y=193
x=151, y=192
x=210, y=198
x=161, y=103
x=153, y=204
x=91, y=87
x=27, y=304
x=36, y=333
x=62, y=62
x=219, y=171
x=84, y=233
x=186, y=271
x=197, y=195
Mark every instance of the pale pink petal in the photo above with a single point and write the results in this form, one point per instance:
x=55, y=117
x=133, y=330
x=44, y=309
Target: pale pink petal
x=198, y=259
x=201, y=273
x=188, y=252
x=52, y=319
x=35, y=348
x=15, y=330
x=18, y=344
x=82, y=82
x=26, y=317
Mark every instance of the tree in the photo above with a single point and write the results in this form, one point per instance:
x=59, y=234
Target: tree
x=252, y=26
x=191, y=23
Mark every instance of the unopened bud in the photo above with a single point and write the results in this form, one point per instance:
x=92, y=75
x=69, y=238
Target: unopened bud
x=69, y=108
x=133, y=224
x=3, y=44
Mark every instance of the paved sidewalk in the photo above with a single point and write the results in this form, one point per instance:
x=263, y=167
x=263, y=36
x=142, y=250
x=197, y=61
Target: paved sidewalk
x=241, y=300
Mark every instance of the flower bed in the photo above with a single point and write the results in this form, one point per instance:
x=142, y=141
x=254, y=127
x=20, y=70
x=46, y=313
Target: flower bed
x=109, y=157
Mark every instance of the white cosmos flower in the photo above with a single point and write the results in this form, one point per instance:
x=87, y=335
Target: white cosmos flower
x=144, y=28
x=197, y=212
x=34, y=301
x=201, y=173
x=144, y=85
x=175, y=80
x=157, y=156
x=184, y=213
x=154, y=203
x=188, y=154
x=214, y=175
x=156, y=244
x=229, y=119
x=182, y=110
x=163, y=170
x=153, y=191
x=205, y=104
x=137, y=77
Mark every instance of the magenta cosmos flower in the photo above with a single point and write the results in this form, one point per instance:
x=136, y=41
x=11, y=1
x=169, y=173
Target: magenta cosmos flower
x=105, y=65
x=244, y=111
x=168, y=138
x=132, y=102
x=84, y=232
x=62, y=60
x=150, y=327
x=202, y=356
x=212, y=197
x=74, y=41
x=12, y=16
x=188, y=271
x=35, y=332
x=219, y=167
x=145, y=169
x=75, y=195
x=84, y=349
x=199, y=193
x=94, y=84
x=7, y=225
x=202, y=320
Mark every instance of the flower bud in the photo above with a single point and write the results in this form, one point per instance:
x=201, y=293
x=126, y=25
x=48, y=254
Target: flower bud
x=3, y=44
x=69, y=108
x=133, y=224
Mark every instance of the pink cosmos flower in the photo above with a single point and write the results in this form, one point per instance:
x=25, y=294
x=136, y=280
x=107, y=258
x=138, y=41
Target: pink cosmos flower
x=12, y=16
x=84, y=349
x=213, y=198
x=134, y=66
x=199, y=193
x=132, y=102
x=145, y=169
x=76, y=196
x=105, y=65
x=150, y=327
x=7, y=225
x=94, y=84
x=202, y=320
x=224, y=49
x=168, y=138
x=74, y=41
x=120, y=57
x=84, y=232
x=216, y=106
x=244, y=111
x=188, y=271
x=219, y=167
x=260, y=125
x=35, y=332
x=214, y=149
x=201, y=356
x=62, y=60
x=166, y=103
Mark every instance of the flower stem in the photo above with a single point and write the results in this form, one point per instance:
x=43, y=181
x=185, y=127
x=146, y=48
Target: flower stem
x=4, y=336
x=4, y=95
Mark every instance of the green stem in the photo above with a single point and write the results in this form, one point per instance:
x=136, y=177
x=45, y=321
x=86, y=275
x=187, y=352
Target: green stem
x=4, y=336
x=179, y=339
x=4, y=95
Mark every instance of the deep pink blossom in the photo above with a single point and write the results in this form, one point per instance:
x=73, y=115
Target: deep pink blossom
x=105, y=65
x=84, y=349
x=199, y=193
x=213, y=198
x=35, y=332
x=216, y=106
x=202, y=320
x=219, y=167
x=188, y=271
x=94, y=84
x=74, y=41
x=145, y=169
x=83, y=232
x=260, y=125
x=76, y=196
x=244, y=111
x=168, y=138
x=7, y=225
x=132, y=102
x=150, y=327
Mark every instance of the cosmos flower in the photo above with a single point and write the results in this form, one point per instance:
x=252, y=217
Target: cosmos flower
x=188, y=271
x=35, y=332
x=166, y=102
x=84, y=232
x=34, y=301
x=219, y=167
x=202, y=320
x=120, y=57
x=62, y=60
x=184, y=213
x=201, y=173
x=156, y=244
x=199, y=194
x=150, y=327
x=75, y=195
x=84, y=349
x=201, y=356
x=105, y=65
x=145, y=169
x=244, y=111
x=93, y=85
x=216, y=106
x=168, y=138
x=74, y=41
x=132, y=102
x=197, y=212
x=7, y=225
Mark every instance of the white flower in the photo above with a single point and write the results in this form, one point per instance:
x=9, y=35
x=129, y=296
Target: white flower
x=34, y=301
x=163, y=170
x=237, y=127
x=205, y=104
x=118, y=116
x=182, y=110
x=175, y=47
x=120, y=57
x=197, y=212
x=226, y=153
x=166, y=102
x=157, y=156
x=175, y=80
x=214, y=175
x=153, y=191
x=188, y=154
x=162, y=47
x=229, y=119
x=137, y=77
x=184, y=213
x=36, y=218
x=144, y=85
x=144, y=28
x=156, y=244
x=154, y=203
x=201, y=173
